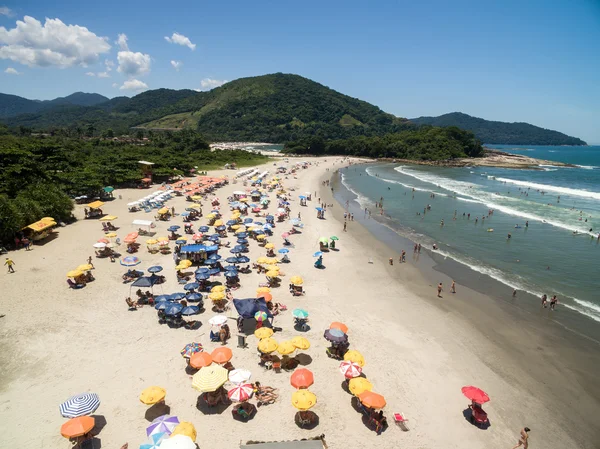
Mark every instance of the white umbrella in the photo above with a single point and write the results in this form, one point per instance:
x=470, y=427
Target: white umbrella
x=99, y=245
x=178, y=442
x=239, y=376
x=241, y=393
x=218, y=320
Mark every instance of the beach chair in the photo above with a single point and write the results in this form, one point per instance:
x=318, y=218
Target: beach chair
x=478, y=415
x=401, y=420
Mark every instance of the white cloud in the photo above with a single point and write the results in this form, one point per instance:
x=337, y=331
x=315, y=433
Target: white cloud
x=52, y=44
x=12, y=71
x=133, y=63
x=209, y=83
x=180, y=39
x=6, y=11
x=176, y=65
x=134, y=85
x=103, y=75
x=122, y=42
x=109, y=65
x=90, y=74
x=115, y=85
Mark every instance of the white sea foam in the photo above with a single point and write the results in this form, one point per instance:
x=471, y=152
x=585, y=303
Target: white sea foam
x=360, y=198
x=551, y=188
x=588, y=167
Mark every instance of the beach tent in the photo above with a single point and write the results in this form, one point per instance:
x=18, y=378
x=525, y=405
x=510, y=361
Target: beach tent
x=142, y=223
x=247, y=308
x=41, y=225
x=197, y=248
x=145, y=281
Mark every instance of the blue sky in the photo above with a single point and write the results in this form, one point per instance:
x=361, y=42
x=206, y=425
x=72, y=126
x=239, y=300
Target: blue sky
x=533, y=61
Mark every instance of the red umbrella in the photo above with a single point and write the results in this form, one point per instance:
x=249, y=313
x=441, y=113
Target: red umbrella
x=475, y=394
x=302, y=378
x=285, y=235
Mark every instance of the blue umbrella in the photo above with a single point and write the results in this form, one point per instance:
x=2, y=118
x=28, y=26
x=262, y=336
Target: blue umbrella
x=231, y=268
x=203, y=228
x=242, y=241
x=300, y=313
x=201, y=270
x=318, y=254
x=160, y=298
x=214, y=256
x=185, y=214
x=248, y=220
x=181, y=241
x=155, y=440
x=258, y=223
x=231, y=274
x=231, y=260
x=173, y=228
x=231, y=222
x=161, y=305
x=173, y=309
x=243, y=259
x=80, y=405
x=202, y=276
x=283, y=251
x=214, y=271
x=267, y=226
x=191, y=286
x=220, y=228
x=155, y=269
x=194, y=297
x=210, y=262
x=270, y=217
x=214, y=238
x=302, y=197
x=190, y=310
x=320, y=209
x=259, y=231
x=242, y=235
x=176, y=296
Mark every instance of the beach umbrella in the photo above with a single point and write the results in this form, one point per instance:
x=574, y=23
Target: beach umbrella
x=130, y=261
x=260, y=236
x=85, y=267
x=300, y=313
x=296, y=280
x=218, y=289
x=173, y=309
x=262, y=260
x=231, y=268
x=372, y=400
x=202, y=270
x=340, y=326
x=202, y=276
x=153, y=395
x=359, y=385
x=190, y=310
x=162, y=239
x=475, y=394
x=303, y=400
x=270, y=245
x=181, y=241
x=99, y=245
x=241, y=235
x=214, y=271
x=214, y=256
x=266, y=296
x=191, y=349
x=110, y=217
x=263, y=332
x=194, y=297
x=260, y=290
x=320, y=209
x=185, y=214
x=242, y=241
x=77, y=427
x=302, y=378
x=283, y=251
x=161, y=298
x=163, y=424
x=350, y=369
x=243, y=259
x=151, y=242
x=333, y=237
x=110, y=235
x=355, y=356
x=186, y=429
x=231, y=274
x=186, y=263
x=217, y=320
x=221, y=355
x=218, y=223
x=191, y=286
x=300, y=343
x=161, y=305
x=203, y=229
x=231, y=223
x=260, y=316
x=176, y=296
x=209, y=378
x=173, y=228
x=155, y=441
x=335, y=336
x=80, y=405
x=286, y=348
x=200, y=359
x=318, y=254
x=239, y=376
x=74, y=273
x=197, y=236
x=285, y=235
x=231, y=259
x=248, y=220
x=267, y=345
x=272, y=273
x=241, y=393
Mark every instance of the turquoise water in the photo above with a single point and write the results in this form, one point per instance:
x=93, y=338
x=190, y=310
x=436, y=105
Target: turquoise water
x=558, y=253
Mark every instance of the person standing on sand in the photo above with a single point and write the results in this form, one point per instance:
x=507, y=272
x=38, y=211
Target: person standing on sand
x=345, y=224
x=523, y=438
x=439, y=290
x=515, y=293
x=391, y=261
x=403, y=257
x=453, y=287
x=10, y=263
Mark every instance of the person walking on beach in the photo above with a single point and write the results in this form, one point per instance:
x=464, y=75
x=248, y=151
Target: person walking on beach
x=515, y=293
x=523, y=438
x=453, y=287
x=345, y=225
x=90, y=261
x=403, y=257
x=439, y=290
x=10, y=263
x=391, y=261
x=419, y=249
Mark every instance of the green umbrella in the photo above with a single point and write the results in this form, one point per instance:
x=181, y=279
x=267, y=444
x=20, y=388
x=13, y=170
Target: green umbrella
x=323, y=239
x=109, y=189
x=333, y=237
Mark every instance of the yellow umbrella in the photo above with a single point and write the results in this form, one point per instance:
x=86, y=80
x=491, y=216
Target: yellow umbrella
x=355, y=356
x=270, y=245
x=209, y=216
x=296, y=280
x=216, y=296
x=110, y=235
x=186, y=263
x=163, y=211
x=271, y=261
x=300, y=342
x=195, y=206
x=244, y=200
x=196, y=197
x=210, y=378
x=85, y=267
x=263, y=290
x=181, y=266
x=262, y=260
x=267, y=345
x=252, y=228
x=153, y=395
x=235, y=227
x=263, y=332
x=218, y=223
x=74, y=273
x=109, y=218
x=218, y=288
x=162, y=239
x=240, y=229
x=185, y=428
x=182, y=237
x=303, y=399
x=274, y=268
x=359, y=385
x=261, y=237
x=272, y=273
x=151, y=242
x=286, y=348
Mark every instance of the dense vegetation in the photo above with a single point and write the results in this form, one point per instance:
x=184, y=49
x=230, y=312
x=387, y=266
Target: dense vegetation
x=12, y=105
x=425, y=143
x=37, y=173
x=501, y=132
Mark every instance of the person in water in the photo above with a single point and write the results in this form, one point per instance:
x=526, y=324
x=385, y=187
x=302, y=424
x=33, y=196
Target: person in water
x=553, y=302
x=544, y=300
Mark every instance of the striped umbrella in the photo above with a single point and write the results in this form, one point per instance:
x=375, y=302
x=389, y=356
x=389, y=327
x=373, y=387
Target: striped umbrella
x=155, y=440
x=209, y=378
x=190, y=349
x=80, y=405
x=350, y=369
x=162, y=424
x=260, y=316
x=130, y=261
x=241, y=393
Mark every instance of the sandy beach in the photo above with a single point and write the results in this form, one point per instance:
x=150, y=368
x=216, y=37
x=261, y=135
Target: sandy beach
x=419, y=350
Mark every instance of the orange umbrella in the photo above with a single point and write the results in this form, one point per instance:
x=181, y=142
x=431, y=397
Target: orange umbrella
x=302, y=378
x=132, y=235
x=372, y=400
x=267, y=296
x=340, y=326
x=77, y=427
x=103, y=240
x=200, y=360
x=221, y=355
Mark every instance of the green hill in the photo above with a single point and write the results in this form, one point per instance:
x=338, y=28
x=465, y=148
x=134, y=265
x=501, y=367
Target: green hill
x=500, y=132
x=13, y=105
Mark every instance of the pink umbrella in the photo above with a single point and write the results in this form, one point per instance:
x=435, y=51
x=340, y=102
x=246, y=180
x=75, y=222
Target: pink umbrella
x=285, y=235
x=241, y=393
x=197, y=236
x=350, y=369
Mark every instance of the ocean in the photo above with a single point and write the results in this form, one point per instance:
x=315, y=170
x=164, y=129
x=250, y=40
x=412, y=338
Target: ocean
x=551, y=214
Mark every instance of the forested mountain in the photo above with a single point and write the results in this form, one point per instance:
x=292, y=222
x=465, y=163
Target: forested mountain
x=501, y=132
x=13, y=105
x=78, y=98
